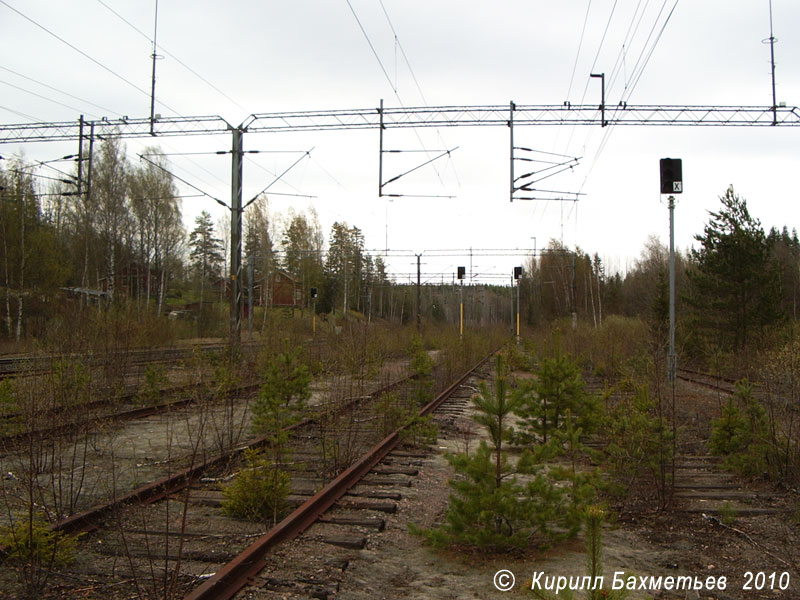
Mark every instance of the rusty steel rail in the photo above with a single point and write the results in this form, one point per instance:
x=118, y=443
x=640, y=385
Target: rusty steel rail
x=16, y=439
x=26, y=364
x=154, y=491
x=724, y=384
x=238, y=573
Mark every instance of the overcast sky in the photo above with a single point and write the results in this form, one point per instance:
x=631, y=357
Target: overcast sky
x=248, y=57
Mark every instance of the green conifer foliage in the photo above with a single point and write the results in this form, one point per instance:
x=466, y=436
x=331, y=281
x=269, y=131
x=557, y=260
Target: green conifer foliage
x=500, y=503
x=558, y=388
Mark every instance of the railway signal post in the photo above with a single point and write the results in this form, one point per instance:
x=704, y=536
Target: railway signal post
x=671, y=183
x=517, y=275
x=461, y=273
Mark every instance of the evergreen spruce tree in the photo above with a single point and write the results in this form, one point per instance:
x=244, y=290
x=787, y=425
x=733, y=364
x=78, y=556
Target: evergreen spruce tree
x=205, y=256
x=735, y=289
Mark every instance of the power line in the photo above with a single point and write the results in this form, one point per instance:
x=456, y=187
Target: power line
x=652, y=49
x=374, y=52
x=580, y=45
x=635, y=78
x=421, y=94
x=386, y=74
x=191, y=185
x=82, y=53
x=55, y=89
x=403, y=52
x=172, y=56
x=619, y=63
x=599, y=48
x=21, y=89
x=22, y=114
x=644, y=46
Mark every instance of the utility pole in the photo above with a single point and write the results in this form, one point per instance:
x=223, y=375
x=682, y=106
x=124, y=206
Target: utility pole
x=380, y=161
x=251, y=271
x=153, y=79
x=574, y=296
x=80, y=156
x=511, y=137
x=518, y=279
x=511, y=298
x=672, y=362
x=237, y=154
x=461, y=272
x=87, y=203
x=344, y=301
x=419, y=292
x=772, y=41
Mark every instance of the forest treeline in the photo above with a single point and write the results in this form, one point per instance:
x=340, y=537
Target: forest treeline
x=122, y=239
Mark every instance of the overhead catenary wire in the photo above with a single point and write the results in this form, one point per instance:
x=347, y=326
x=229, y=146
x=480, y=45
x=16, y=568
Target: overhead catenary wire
x=45, y=98
x=630, y=35
x=191, y=185
x=84, y=54
x=633, y=82
x=107, y=111
x=22, y=114
x=580, y=45
x=594, y=62
x=172, y=56
x=372, y=47
x=638, y=76
x=386, y=74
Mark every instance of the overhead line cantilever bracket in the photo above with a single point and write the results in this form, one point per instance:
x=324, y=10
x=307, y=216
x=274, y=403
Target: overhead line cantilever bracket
x=279, y=177
x=381, y=152
x=513, y=186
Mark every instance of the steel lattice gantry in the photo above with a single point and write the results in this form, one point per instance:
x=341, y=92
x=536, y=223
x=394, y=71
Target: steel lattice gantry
x=388, y=118
x=437, y=116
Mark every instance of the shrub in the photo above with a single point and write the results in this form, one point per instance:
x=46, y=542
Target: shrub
x=727, y=513
x=740, y=434
x=639, y=448
x=33, y=543
x=287, y=385
x=155, y=380
x=593, y=518
x=259, y=491
x=420, y=431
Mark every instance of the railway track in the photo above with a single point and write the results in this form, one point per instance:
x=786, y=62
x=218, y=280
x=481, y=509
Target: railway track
x=725, y=385
x=13, y=366
x=88, y=399
x=338, y=517
x=86, y=416
x=702, y=484
x=136, y=526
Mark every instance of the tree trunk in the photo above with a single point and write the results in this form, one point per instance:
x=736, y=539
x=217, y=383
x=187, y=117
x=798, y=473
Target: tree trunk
x=160, y=306
x=599, y=301
x=8, y=283
x=21, y=270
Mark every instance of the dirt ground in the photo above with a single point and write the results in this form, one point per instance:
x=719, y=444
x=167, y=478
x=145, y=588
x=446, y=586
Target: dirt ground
x=673, y=543
x=399, y=565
